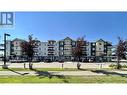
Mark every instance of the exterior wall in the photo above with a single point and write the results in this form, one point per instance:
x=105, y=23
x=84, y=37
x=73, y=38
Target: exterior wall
x=42, y=49
x=56, y=49
x=114, y=48
x=65, y=48
x=93, y=48
x=100, y=48
x=16, y=47
x=61, y=49
x=103, y=48
x=109, y=50
x=88, y=49
x=53, y=48
x=46, y=50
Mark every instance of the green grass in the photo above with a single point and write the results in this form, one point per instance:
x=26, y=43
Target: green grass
x=41, y=69
x=54, y=69
x=67, y=79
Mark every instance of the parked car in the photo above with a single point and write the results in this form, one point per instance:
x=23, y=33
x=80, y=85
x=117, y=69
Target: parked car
x=61, y=61
x=47, y=60
x=17, y=61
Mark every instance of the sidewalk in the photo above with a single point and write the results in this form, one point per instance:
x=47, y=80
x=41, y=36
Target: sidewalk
x=71, y=73
x=57, y=65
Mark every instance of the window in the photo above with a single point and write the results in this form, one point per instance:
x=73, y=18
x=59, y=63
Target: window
x=61, y=53
x=16, y=47
x=67, y=48
x=100, y=44
x=67, y=42
x=87, y=43
x=73, y=43
x=61, y=43
x=61, y=48
x=99, y=48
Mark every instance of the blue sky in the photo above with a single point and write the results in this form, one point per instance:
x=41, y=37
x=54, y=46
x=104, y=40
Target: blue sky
x=57, y=25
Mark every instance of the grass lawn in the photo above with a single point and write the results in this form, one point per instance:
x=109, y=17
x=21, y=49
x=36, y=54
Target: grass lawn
x=41, y=69
x=66, y=79
x=52, y=69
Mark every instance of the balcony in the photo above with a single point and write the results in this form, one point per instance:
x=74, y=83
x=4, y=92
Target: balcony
x=52, y=45
x=51, y=50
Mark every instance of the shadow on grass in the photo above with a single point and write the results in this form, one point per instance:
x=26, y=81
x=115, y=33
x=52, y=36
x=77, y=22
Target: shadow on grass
x=122, y=69
x=81, y=69
x=109, y=73
x=17, y=72
x=43, y=74
x=106, y=72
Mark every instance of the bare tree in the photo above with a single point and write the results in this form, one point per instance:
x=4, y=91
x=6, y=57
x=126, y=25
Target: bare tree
x=78, y=50
x=28, y=49
x=121, y=50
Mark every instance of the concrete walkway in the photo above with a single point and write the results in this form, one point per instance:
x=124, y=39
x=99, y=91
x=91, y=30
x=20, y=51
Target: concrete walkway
x=57, y=65
x=72, y=73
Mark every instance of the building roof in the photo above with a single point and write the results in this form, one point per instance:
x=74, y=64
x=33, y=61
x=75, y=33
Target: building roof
x=67, y=38
x=51, y=41
x=17, y=39
x=108, y=43
x=100, y=40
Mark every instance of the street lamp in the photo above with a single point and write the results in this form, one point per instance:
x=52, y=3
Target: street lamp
x=5, y=35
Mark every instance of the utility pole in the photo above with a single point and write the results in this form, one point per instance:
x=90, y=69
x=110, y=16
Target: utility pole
x=5, y=35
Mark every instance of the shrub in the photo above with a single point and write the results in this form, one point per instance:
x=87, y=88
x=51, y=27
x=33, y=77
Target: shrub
x=124, y=66
x=115, y=66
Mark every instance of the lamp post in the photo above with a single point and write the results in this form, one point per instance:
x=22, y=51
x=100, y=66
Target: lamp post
x=5, y=35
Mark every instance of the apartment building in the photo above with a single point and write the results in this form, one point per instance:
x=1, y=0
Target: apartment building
x=48, y=50
x=86, y=51
x=42, y=49
x=65, y=48
x=16, y=47
x=114, y=49
x=62, y=50
x=13, y=48
x=101, y=50
x=53, y=50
